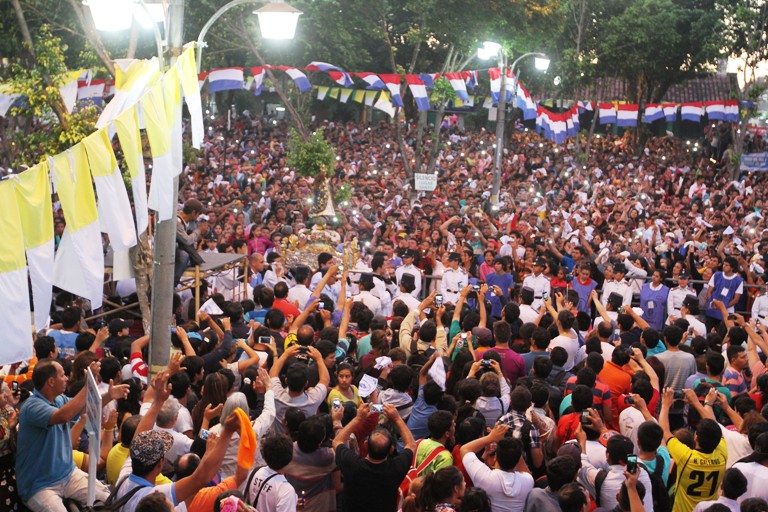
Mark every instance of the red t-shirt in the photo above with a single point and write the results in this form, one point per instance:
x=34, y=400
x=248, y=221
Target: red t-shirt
x=566, y=427
x=286, y=307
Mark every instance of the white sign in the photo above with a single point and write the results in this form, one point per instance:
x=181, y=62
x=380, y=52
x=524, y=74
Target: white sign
x=427, y=182
x=93, y=427
x=754, y=162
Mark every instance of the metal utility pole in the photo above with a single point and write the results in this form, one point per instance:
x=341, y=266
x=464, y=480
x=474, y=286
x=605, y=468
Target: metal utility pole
x=500, y=121
x=165, y=232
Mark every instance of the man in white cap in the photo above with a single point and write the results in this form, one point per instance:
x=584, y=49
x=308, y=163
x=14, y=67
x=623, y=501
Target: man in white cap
x=678, y=294
x=538, y=282
x=409, y=268
x=618, y=285
x=454, y=280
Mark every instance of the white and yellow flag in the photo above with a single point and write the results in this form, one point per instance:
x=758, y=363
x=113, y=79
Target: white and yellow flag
x=127, y=125
x=79, y=263
x=15, y=315
x=132, y=78
x=159, y=135
x=33, y=192
x=113, y=205
x=189, y=85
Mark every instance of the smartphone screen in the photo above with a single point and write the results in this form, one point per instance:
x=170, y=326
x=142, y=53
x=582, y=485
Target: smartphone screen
x=632, y=463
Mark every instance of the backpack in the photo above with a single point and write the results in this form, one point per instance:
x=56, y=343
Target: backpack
x=659, y=493
x=413, y=473
x=112, y=504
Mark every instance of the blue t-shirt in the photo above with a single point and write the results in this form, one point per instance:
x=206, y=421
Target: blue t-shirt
x=65, y=341
x=650, y=465
x=44, y=452
x=505, y=282
x=417, y=421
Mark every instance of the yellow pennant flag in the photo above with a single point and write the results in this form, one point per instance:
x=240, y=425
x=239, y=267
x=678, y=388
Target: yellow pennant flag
x=114, y=206
x=189, y=85
x=127, y=126
x=358, y=96
x=334, y=93
x=79, y=263
x=14, y=315
x=322, y=92
x=33, y=192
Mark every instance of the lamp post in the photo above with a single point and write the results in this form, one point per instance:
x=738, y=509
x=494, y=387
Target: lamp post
x=277, y=20
x=488, y=51
x=118, y=15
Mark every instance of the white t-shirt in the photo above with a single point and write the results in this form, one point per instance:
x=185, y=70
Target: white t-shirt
x=507, y=490
x=629, y=421
x=277, y=495
x=757, y=480
x=571, y=345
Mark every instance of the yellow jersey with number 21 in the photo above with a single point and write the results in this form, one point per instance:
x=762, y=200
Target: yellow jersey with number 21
x=698, y=474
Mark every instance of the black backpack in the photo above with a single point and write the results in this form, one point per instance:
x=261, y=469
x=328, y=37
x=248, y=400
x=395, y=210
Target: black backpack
x=659, y=492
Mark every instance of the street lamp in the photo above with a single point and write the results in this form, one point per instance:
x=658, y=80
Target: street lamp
x=490, y=50
x=277, y=20
x=118, y=15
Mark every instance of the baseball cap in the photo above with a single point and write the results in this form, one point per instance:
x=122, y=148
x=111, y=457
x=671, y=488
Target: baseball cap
x=571, y=450
x=408, y=253
x=117, y=325
x=150, y=446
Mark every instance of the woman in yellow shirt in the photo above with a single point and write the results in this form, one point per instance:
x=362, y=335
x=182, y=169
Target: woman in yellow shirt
x=344, y=390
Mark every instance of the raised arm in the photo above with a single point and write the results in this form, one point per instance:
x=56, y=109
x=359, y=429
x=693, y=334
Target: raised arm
x=299, y=320
x=277, y=366
x=343, y=436
x=322, y=370
x=481, y=305
x=599, y=306
x=639, y=321
x=253, y=357
x=210, y=463
x=425, y=369
x=667, y=397
x=332, y=270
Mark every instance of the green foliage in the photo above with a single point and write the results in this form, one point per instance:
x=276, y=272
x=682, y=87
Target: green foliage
x=342, y=195
x=312, y=157
x=189, y=153
x=443, y=92
x=39, y=84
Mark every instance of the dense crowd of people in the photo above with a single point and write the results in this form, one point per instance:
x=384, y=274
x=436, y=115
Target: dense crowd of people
x=595, y=340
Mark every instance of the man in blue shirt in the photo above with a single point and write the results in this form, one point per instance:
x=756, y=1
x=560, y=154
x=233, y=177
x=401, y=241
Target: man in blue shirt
x=45, y=471
x=429, y=395
x=67, y=336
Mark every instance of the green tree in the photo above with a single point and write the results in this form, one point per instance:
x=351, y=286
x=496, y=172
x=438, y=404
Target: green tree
x=39, y=84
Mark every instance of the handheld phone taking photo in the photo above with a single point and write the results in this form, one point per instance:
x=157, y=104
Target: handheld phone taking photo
x=632, y=463
x=475, y=287
x=349, y=294
x=545, y=295
x=265, y=340
x=585, y=418
x=203, y=434
x=15, y=386
x=438, y=300
x=377, y=408
x=320, y=306
x=336, y=403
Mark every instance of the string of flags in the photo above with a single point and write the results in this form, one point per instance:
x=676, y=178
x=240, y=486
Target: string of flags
x=554, y=125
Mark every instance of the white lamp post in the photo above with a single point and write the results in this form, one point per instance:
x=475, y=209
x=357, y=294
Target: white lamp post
x=111, y=15
x=118, y=15
x=277, y=20
x=490, y=50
